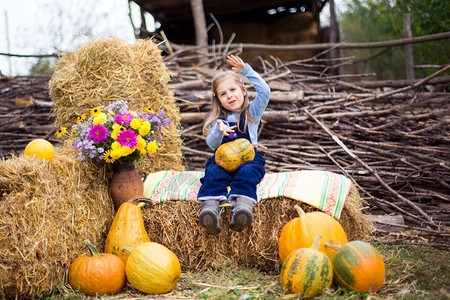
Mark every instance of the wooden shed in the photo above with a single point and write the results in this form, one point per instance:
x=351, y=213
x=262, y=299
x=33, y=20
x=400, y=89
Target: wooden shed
x=274, y=22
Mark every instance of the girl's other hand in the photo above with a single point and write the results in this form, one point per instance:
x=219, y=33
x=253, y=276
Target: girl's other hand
x=236, y=62
x=224, y=128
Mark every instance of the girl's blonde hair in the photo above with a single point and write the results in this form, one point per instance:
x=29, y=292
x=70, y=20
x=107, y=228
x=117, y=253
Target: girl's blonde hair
x=217, y=111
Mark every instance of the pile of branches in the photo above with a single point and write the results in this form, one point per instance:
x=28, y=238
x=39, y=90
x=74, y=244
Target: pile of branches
x=24, y=113
x=390, y=137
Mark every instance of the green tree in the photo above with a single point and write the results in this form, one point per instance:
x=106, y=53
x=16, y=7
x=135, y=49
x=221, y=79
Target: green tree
x=43, y=66
x=382, y=20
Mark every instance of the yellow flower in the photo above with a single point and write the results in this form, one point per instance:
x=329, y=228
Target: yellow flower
x=125, y=150
x=99, y=119
x=116, y=153
x=151, y=147
x=116, y=130
x=108, y=157
x=95, y=111
x=136, y=123
x=81, y=118
x=116, y=146
x=73, y=132
x=140, y=143
x=145, y=128
x=143, y=151
x=149, y=110
x=120, y=151
x=61, y=132
x=111, y=113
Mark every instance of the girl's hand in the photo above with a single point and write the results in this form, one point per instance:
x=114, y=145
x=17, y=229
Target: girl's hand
x=237, y=63
x=224, y=128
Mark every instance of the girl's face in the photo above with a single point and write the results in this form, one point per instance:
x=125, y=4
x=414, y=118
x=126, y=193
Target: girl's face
x=230, y=94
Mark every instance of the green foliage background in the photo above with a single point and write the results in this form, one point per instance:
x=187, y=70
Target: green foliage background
x=382, y=20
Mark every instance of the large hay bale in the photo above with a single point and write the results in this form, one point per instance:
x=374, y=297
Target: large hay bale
x=105, y=70
x=173, y=224
x=47, y=209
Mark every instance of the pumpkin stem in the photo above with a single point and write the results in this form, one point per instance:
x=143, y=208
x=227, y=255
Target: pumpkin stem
x=259, y=145
x=91, y=248
x=331, y=245
x=316, y=243
x=126, y=249
x=140, y=201
x=299, y=210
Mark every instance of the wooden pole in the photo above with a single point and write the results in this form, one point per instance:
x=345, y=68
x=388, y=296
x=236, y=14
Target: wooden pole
x=198, y=14
x=334, y=34
x=409, y=60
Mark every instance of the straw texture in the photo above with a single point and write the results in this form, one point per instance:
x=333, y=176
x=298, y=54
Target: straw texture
x=106, y=70
x=47, y=209
x=174, y=224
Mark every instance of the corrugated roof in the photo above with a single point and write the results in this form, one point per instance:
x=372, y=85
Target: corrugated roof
x=172, y=10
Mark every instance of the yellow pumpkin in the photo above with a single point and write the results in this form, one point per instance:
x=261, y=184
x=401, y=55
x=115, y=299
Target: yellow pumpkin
x=41, y=149
x=301, y=232
x=233, y=154
x=98, y=274
x=152, y=268
x=127, y=229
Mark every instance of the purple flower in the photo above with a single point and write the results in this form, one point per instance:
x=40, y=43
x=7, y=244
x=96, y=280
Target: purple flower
x=124, y=118
x=98, y=133
x=127, y=138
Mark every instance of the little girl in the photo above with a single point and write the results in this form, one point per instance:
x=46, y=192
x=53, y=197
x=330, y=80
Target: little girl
x=232, y=116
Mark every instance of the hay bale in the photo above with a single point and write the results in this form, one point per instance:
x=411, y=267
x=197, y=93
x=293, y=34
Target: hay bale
x=173, y=224
x=106, y=70
x=47, y=209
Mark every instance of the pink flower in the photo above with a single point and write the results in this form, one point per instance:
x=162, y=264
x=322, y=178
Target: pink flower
x=124, y=118
x=127, y=138
x=98, y=133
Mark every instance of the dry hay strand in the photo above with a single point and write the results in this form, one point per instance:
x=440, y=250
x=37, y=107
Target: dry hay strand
x=174, y=224
x=47, y=209
x=106, y=70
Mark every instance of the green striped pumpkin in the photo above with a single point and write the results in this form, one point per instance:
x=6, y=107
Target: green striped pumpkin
x=306, y=271
x=359, y=267
x=233, y=154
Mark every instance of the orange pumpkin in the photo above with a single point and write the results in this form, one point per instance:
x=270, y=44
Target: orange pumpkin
x=127, y=229
x=358, y=266
x=98, y=274
x=233, y=154
x=301, y=232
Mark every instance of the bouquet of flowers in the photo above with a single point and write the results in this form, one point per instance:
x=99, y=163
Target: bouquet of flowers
x=113, y=133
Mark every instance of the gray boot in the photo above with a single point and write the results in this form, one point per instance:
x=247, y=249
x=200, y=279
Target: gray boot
x=242, y=216
x=209, y=216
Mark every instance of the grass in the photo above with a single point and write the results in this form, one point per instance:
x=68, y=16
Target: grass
x=412, y=272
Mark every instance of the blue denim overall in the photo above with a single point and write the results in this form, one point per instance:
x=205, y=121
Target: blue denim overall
x=242, y=181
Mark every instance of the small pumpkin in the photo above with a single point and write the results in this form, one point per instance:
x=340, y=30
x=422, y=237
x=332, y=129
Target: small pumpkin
x=306, y=271
x=98, y=274
x=127, y=229
x=300, y=232
x=152, y=268
x=40, y=148
x=233, y=154
x=358, y=266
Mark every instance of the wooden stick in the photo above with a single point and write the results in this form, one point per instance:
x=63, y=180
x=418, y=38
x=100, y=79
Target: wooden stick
x=339, y=142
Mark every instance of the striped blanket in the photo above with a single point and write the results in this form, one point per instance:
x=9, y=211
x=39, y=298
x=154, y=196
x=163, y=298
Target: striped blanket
x=324, y=190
